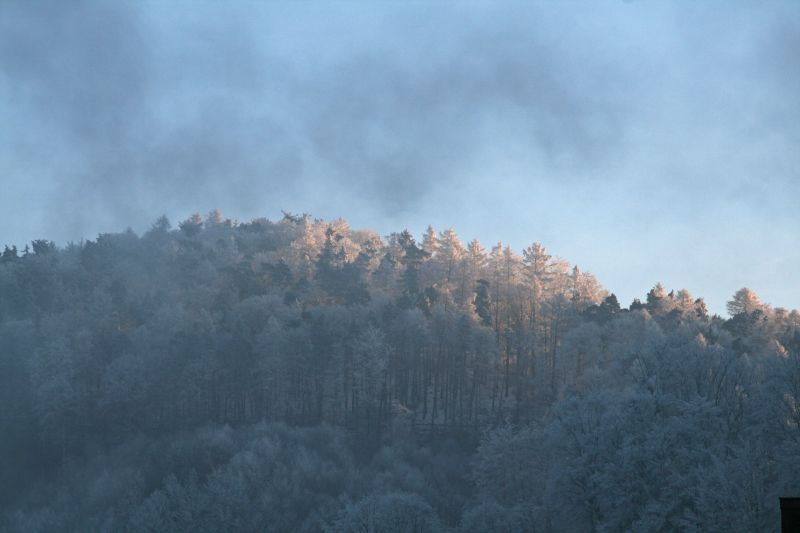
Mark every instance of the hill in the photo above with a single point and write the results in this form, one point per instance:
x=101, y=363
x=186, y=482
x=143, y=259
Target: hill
x=301, y=375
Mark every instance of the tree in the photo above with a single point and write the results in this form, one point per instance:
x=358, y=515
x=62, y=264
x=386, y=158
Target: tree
x=483, y=303
x=491, y=516
x=192, y=225
x=430, y=242
x=605, y=311
x=585, y=288
x=656, y=299
x=329, y=265
x=388, y=513
x=215, y=218
x=537, y=271
x=700, y=308
x=161, y=225
x=42, y=247
x=685, y=303
x=449, y=266
x=744, y=301
x=412, y=257
x=10, y=254
x=636, y=305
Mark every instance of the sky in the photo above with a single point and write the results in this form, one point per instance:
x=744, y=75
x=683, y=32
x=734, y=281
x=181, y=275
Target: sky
x=644, y=141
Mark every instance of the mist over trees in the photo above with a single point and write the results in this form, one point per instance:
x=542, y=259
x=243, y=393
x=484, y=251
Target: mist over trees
x=301, y=375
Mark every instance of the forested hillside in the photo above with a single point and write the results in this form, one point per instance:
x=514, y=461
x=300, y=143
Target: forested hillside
x=301, y=375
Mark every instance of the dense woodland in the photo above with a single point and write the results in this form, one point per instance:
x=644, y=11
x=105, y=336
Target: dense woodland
x=301, y=375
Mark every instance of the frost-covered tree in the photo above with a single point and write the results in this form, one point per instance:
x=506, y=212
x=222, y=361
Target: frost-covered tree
x=389, y=513
x=744, y=301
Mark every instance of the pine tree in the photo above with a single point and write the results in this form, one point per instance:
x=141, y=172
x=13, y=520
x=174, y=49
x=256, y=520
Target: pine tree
x=483, y=302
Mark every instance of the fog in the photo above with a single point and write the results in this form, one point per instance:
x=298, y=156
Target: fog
x=644, y=141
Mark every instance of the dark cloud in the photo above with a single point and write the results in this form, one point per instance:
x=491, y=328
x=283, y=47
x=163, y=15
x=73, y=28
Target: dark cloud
x=80, y=68
x=137, y=107
x=406, y=124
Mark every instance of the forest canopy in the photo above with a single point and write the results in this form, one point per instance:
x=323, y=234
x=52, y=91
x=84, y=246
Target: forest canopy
x=301, y=375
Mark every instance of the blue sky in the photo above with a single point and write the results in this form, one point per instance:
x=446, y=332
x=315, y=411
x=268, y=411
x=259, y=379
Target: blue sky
x=645, y=141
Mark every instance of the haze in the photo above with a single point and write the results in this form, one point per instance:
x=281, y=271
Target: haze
x=643, y=141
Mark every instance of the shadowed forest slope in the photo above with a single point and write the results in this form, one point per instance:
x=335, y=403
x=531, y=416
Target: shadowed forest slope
x=300, y=375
